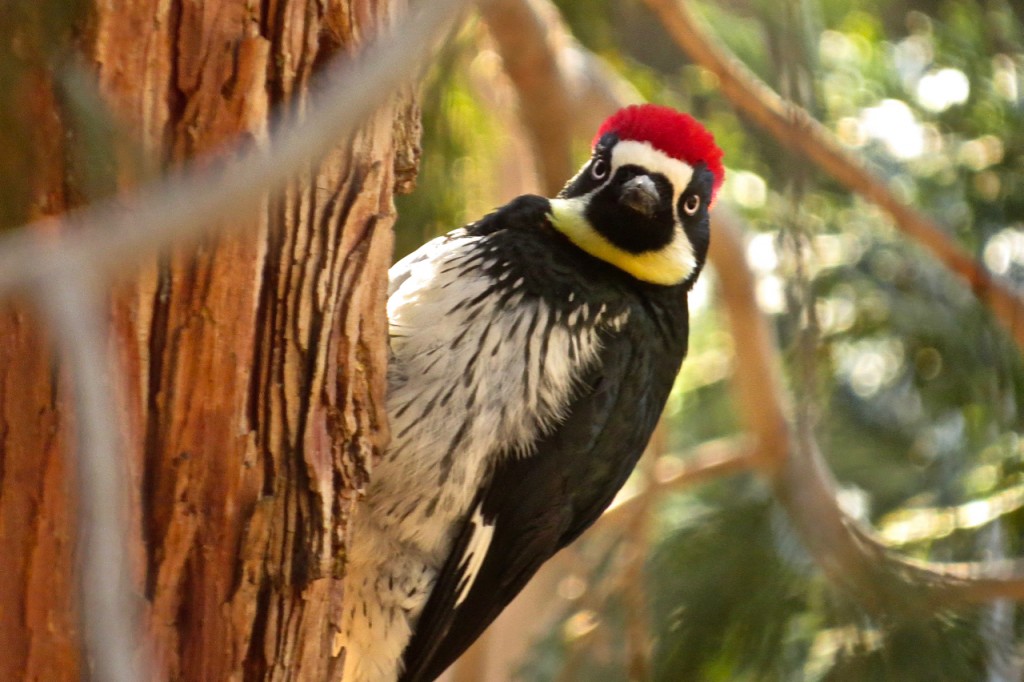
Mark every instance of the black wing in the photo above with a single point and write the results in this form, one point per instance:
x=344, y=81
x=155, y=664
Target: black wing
x=581, y=465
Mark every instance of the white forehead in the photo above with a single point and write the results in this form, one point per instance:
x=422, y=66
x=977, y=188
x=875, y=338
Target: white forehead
x=632, y=152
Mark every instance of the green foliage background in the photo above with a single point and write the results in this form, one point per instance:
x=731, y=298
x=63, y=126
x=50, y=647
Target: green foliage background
x=915, y=390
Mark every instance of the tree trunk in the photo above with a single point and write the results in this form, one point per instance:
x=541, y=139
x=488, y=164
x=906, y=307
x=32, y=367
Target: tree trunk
x=251, y=367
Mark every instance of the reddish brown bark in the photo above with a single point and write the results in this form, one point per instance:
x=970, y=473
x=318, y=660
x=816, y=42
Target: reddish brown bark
x=250, y=367
x=38, y=625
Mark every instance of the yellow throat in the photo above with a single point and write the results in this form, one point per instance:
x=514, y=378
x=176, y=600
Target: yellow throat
x=667, y=266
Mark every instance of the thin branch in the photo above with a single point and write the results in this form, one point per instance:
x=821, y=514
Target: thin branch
x=73, y=302
x=529, y=50
x=706, y=462
x=757, y=373
x=564, y=89
x=109, y=235
x=798, y=131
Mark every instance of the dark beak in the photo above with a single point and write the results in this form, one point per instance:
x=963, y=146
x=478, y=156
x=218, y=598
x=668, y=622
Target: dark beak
x=641, y=195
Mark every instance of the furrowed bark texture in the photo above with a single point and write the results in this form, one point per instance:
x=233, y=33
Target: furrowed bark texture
x=251, y=367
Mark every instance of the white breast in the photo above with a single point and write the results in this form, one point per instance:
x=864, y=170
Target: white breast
x=467, y=383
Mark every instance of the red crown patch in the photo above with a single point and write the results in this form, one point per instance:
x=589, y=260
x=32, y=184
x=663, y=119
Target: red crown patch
x=671, y=132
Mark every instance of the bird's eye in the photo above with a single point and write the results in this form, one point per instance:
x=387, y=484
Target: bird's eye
x=599, y=169
x=691, y=204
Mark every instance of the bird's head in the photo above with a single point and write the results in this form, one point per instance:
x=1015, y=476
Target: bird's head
x=641, y=202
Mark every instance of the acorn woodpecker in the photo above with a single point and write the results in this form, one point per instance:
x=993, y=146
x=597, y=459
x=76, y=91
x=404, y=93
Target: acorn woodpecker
x=531, y=353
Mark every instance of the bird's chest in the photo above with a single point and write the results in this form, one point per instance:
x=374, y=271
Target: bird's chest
x=480, y=369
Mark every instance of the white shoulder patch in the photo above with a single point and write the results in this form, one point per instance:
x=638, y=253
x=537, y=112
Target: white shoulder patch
x=476, y=551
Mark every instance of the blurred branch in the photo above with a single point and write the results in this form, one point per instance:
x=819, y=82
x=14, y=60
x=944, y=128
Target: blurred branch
x=529, y=50
x=928, y=524
x=597, y=89
x=706, y=462
x=109, y=235
x=563, y=88
x=796, y=130
x=847, y=552
x=73, y=303
x=853, y=556
x=757, y=374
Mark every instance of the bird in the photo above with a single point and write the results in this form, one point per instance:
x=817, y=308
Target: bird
x=531, y=355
